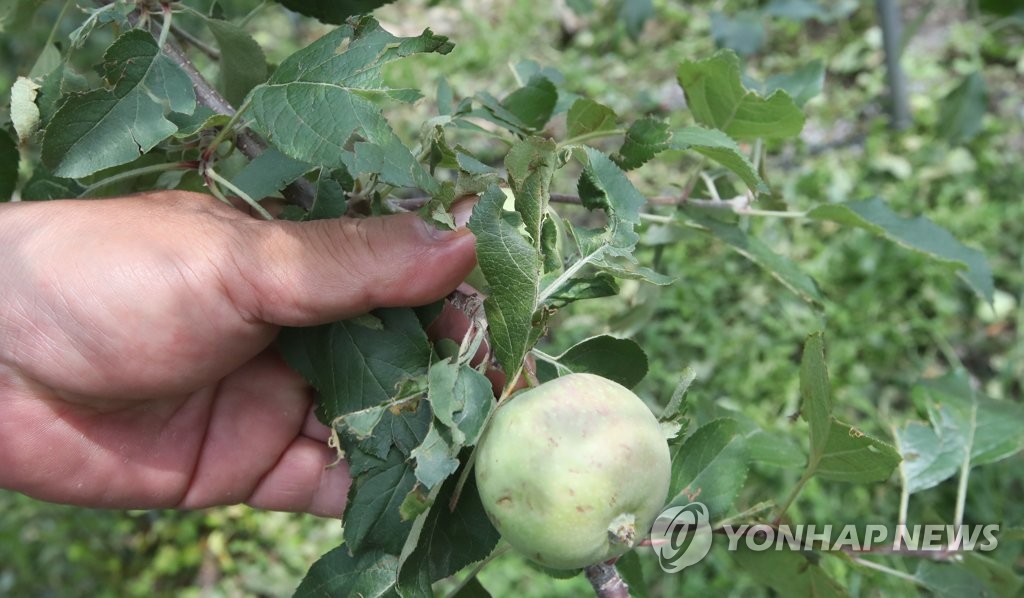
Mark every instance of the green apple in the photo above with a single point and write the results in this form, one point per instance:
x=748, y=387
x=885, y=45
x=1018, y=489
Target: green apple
x=574, y=471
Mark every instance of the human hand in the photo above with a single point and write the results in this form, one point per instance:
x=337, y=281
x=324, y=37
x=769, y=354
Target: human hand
x=134, y=332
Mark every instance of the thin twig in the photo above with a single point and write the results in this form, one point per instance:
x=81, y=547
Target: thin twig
x=301, y=191
x=183, y=34
x=238, y=192
x=889, y=571
x=500, y=550
x=165, y=26
x=807, y=475
x=606, y=581
x=136, y=172
x=252, y=13
x=736, y=204
x=56, y=24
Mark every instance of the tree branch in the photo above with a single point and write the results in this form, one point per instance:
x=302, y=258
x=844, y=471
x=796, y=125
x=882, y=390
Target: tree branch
x=606, y=581
x=890, y=20
x=736, y=204
x=248, y=143
x=251, y=145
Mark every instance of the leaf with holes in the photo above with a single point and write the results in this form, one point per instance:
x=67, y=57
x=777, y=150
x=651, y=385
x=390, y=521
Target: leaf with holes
x=109, y=127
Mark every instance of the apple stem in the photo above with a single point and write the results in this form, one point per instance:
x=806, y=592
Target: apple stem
x=606, y=581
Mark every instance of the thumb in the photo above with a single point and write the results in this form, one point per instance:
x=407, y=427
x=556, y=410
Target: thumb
x=307, y=273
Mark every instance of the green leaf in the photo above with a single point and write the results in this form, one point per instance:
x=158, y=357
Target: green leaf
x=917, y=234
x=242, y=63
x=445, y=97
x=471, y=165
x=618, y=359
x=599, y=285
x=551, y=246
x=815, y=394
x=838, y=451
x=435, y=459
x=533, y=103
x=331, y=199
x=354, y=366
x=710, y=466
x=677, y=406
x=58, y=85
x=774, y=449
x=332, y=11
x=413, y=506
x=472, y=589
x=382, y=477
x=200, y=119
x=512, y=267
x=587, y=116
x=104, y=128
x=802, y=84
x=531, y=164
x=634, y=13
x=494, y=112
x=388, y=158
x=15, y=15
x=448, y=540
x=645, y=138
x=717, y=98
x=962, y=110
x=743, y=32
x=9, y=158
x=268, y=173
x=323, y=94
x=852, y=456
x=605, y=186
x=361, y=423
x=44, y=186
x=974, y=426
x=780, y=267
x=1002, y=580
x=621, y=263
x=461, y=398
x=719, y=147
x=527, y=69
x=115, y=12
x=801, y=10
x=930, y=455
x=440, y=152
x=369, y=575
x=49, y=58
x=951, y=580
x=790, y=573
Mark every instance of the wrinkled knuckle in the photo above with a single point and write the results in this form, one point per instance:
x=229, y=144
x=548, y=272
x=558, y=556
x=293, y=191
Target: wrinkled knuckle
x=280, y=284
x=250, y=274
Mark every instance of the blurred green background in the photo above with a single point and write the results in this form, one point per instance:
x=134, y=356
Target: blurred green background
x=891, y=318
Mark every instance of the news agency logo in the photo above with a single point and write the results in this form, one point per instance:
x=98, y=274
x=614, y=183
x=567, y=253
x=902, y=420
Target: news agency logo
x=681, y=536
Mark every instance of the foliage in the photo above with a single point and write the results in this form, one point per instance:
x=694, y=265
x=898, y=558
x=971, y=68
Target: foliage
x=607, y=210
